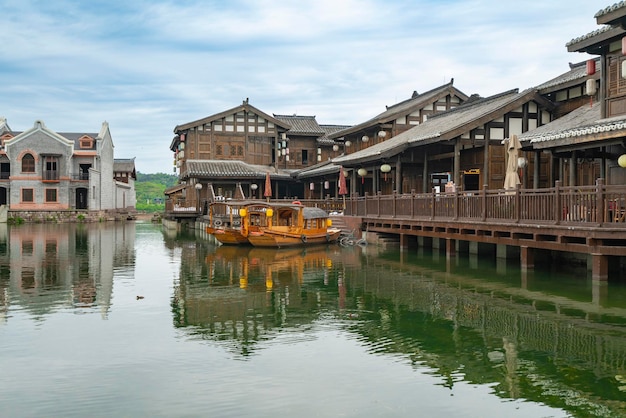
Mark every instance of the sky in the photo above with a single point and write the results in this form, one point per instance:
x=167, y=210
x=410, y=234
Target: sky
x=146, y=66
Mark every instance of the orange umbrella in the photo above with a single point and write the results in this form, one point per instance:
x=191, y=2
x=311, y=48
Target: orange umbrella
x=268, y=186
x=343, y=188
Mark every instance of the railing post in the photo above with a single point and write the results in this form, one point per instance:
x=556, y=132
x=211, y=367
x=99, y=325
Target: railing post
x=393, y=211
x=432, y=206
x=600, y=201
x=378, y=203
x=518, y=201
x=412, y=203
x=456, y=204
x=558, y=206
x=483, y=201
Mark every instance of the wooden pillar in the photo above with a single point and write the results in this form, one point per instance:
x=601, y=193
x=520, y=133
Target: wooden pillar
x=450, y=247
x=536, y=169
x=527, y=258
x=425, y=182
x=457, y=163
x=404, y=242
x=572, y=169
x=599, y=267
x=399, y=175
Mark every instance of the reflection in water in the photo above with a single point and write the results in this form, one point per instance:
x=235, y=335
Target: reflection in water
x=520, y=335
x=47, y=267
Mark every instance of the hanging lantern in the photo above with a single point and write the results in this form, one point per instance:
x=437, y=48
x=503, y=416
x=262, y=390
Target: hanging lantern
x=326, y=185
x=365, y=138
x=385, y=168
x=591, y=67
x=621, y=161
x=382, y=134
x=319, y=151
x=362, y=172
x=623, y=69
x=335, y=147
x=591, y=87
x=348, y=143
x=624, y=45
x=243, y=212
x=319, y=158
x=311, y=186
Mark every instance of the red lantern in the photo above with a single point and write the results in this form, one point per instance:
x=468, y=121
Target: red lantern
x=591, y=67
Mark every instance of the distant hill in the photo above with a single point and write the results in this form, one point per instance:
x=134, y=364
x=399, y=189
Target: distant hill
x=149, y=189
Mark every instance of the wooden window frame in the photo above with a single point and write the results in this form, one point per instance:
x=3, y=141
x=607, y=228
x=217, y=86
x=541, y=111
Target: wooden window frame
x=28, y=163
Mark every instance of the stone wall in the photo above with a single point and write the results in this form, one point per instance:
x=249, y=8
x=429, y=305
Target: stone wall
x=19, y=216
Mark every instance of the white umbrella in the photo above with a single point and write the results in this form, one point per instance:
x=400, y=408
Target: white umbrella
x=511, y=179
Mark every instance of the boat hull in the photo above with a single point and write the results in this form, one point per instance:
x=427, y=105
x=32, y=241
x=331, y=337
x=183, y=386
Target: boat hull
x=228, y=236
x=277, y=239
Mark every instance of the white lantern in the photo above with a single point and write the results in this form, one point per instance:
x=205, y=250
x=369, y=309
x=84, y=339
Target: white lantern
x=348, y=143
x=362, y=172
x=621, y=161
x=335, y=147
x=311, y=186
x=382, y=134
x=591, y=87
x=385, y=168
x=326, y=184
x=366, y=138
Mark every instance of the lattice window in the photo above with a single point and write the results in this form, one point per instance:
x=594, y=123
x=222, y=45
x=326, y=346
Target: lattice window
x=616, y=84
x=28, y=195
x=28, y=163
x=51, y=195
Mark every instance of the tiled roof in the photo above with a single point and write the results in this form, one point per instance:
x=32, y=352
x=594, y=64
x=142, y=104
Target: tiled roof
x=577, y=72
x=124, y=165
x=415, y=102
x=301, y=125
x=590, y=35
x=230, y=169
x=320, y=169
x=445, y=125
x=610, y=9
x=329, y=130
x=573, y=127
x=245, y=106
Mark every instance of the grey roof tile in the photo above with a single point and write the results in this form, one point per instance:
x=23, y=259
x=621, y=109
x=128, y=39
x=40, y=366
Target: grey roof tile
x=231, y=169
x=301, y=125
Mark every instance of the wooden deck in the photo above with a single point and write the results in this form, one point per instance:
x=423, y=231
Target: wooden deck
x=588, y=220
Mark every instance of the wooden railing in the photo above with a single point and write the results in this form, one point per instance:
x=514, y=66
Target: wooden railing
x=599, y=205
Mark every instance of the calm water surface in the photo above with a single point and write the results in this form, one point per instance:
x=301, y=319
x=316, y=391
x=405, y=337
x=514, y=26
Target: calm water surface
x=130, y=320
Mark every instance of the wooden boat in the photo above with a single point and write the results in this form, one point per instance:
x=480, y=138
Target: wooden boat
x=290, y=225
x=226, y=221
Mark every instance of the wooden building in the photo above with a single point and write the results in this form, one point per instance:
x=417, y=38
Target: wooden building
x=463, y=145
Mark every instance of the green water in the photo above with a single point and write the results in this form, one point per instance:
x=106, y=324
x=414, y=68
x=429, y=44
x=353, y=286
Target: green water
x=130, y=320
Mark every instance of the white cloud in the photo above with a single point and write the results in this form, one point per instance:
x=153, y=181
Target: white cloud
x=146, y=67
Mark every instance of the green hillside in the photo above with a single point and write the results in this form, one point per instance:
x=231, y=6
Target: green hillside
x=149, y=189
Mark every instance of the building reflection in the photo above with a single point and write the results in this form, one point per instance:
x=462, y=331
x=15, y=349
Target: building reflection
x=566, y=350
x=47, y=267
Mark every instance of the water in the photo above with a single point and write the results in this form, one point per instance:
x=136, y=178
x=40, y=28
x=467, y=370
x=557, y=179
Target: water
x=129, y=320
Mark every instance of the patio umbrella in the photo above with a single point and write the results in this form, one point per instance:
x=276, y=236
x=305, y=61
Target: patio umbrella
x=268, y=187
x=343, y=188
x=511, y=179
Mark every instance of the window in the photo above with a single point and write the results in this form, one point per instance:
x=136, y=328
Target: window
x=27, y=195
x=305, y=157
x=51, y=195
x=28, y=163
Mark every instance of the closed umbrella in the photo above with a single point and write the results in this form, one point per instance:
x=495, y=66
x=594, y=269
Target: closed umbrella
x=343, y=188
x=511, y=179
x=268, y=187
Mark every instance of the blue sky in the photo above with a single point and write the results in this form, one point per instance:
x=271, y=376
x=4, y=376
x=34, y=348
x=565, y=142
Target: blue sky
x=145, y=66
